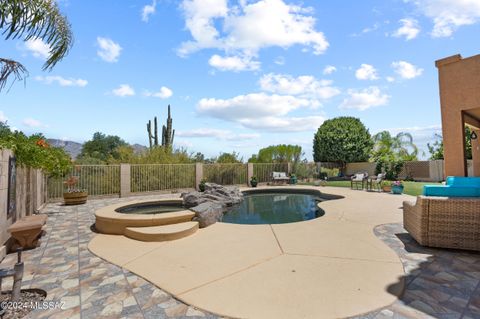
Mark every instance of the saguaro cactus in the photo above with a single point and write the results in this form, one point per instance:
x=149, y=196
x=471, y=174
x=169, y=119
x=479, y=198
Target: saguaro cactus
x=152, y=138
x=167, y=132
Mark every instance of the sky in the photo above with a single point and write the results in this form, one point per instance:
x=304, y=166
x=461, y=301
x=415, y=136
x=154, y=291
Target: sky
x=241, y=75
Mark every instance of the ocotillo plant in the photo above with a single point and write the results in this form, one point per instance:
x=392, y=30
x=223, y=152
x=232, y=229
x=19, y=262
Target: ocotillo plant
x=167, y=132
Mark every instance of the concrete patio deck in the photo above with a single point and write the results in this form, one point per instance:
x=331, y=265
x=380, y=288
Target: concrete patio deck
x=439, y=283
x=329, y=267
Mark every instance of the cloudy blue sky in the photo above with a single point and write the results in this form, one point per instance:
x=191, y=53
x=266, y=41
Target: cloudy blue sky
x=241, y=75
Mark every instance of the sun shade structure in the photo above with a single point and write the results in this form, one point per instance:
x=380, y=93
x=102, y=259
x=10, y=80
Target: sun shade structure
x=459, y=80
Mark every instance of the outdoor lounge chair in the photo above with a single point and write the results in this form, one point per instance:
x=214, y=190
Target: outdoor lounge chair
x=375, y=182
x=444, y=222
x=357, y=179
x=279, y=177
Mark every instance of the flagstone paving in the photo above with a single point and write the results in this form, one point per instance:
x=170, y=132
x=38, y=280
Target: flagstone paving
x=439, y=283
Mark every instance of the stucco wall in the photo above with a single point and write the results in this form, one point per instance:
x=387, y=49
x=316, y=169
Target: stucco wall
x=459, y=92
x=30, y=195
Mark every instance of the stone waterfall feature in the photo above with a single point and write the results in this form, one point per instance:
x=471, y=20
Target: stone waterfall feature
x=210, y=205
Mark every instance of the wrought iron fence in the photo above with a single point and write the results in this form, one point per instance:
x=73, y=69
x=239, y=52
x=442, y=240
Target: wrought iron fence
x=225, y=174
x=263, y=171
x=97, y=180
x=159, y=177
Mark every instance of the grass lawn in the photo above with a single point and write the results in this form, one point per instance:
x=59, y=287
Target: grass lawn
x=411, y=188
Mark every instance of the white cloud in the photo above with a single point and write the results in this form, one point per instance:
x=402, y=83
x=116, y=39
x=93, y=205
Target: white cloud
x=249, y=27
x=218, y=134
x=252, y=105
x=329, y=69
x=62, y=81
x=284, y=124
x=148, y=10
x=409, y=29
x=30, y=122
x=449, y=15
x=390, y=79
x=233, y=63
x=109, y=50
x=305, y=86
x=364, y=99
x=366, y=72
x=124, y=90
x=406, y=70
x=38, y=48
x=164, y=93
x=3, y=117
x=261, y=111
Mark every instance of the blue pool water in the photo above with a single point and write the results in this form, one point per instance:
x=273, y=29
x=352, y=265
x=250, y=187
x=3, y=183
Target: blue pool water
x=274, y=208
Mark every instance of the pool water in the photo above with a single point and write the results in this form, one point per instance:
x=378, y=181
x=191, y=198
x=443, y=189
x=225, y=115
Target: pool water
x=274, y=208
x=151, y=208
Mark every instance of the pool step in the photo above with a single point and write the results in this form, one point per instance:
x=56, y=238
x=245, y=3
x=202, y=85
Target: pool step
x=162, y=233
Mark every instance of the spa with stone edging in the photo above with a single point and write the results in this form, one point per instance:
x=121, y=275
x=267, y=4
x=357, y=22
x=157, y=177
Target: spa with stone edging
x=328, y=267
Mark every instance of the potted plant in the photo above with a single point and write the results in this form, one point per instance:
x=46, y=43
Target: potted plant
x=387, y=186
x=293, y=179
x=253, y=181
x=397, y=187
x=201, y=186
x=74, y=195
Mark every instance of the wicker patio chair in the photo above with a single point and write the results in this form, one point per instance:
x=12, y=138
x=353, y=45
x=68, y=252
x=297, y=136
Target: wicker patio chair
x=444, y=222
x=358, y=179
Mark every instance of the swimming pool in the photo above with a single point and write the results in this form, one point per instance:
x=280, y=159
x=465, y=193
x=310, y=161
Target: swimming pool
x=275, y=208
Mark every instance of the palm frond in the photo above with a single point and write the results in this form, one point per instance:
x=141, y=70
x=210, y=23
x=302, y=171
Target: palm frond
x=37, y=19
x=10, y=67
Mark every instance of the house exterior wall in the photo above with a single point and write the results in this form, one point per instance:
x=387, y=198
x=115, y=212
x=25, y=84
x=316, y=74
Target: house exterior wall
x=459, y=83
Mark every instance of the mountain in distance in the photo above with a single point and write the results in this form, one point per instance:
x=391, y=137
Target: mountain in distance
x=74, y=148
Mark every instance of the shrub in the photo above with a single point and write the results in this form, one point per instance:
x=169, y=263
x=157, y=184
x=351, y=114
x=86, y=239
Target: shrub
x=33, y=151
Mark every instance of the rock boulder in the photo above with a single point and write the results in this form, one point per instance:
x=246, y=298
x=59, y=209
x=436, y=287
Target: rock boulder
x=210, y=205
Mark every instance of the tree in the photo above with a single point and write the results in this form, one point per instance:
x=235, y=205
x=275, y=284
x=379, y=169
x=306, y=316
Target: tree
x=101, y=147
x=33, y=19
x=278, y=154
x=436, y=149
x=400, y=146
x=198, y=157
x=229, y=158
x=391, y=152
x=342, y=140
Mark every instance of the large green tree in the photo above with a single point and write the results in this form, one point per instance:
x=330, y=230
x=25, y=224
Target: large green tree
x=342, y=140
x=101, y=148
x=33, y=19
x=278, y=154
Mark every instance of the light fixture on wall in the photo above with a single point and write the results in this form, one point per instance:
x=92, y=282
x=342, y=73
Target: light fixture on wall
x=473, y=136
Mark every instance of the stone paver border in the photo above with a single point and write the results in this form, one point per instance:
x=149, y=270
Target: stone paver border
x=439, y=283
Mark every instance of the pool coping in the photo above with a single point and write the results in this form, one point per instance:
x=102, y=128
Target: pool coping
x=109, y=221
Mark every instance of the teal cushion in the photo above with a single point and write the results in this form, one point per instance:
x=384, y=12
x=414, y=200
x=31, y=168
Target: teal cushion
x=463, y=181
x=451, y=191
